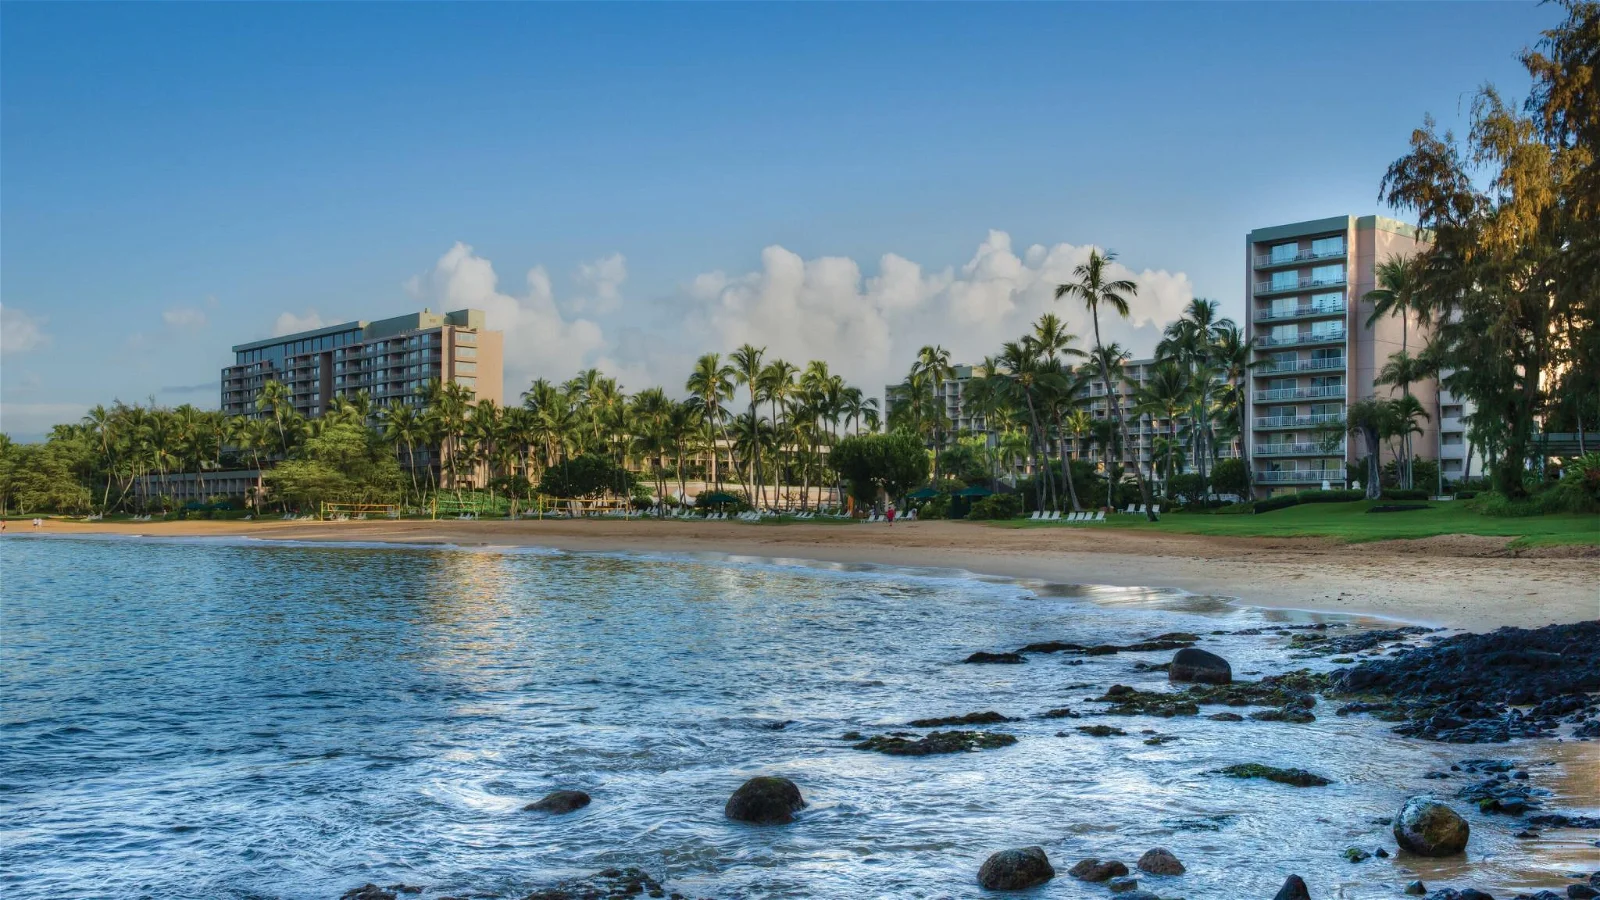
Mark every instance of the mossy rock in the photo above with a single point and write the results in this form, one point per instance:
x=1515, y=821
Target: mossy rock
x=978, y=718
x=1292, y=777
x=936, y=742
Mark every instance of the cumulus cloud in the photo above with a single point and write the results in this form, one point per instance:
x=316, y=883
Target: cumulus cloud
x=869, y=327
x=184, y=317
x=21, y=332
x=289, y=323
x=600, y=285
x=539, y=340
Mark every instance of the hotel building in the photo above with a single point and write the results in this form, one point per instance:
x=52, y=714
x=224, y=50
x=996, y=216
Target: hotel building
x=1316, y=354
x=389, y=359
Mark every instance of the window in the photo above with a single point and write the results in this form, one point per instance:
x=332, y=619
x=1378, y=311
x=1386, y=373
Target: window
x=467, y=382
x=1327, y=327
x=1328, y=353
x=1282, y=281
x=466, y=368
x=466, y=353
x=1451, y=412
x=1327, y=275
x=1328, y=246
x=1285, y=252
x=1452, y=439
x=1327, y=409
x=1327, y=301
x=1284, y=333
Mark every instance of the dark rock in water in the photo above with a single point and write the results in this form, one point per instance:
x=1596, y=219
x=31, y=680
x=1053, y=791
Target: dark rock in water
x=1160, y=861
x=559, y=802
x=983, y=656
x=1381, y=853
x=765, y=800
x=1286, y=714
x=936, y=742
x=1500, y=794
x=1119, y=690
x=1157, y=740
x=1564, y=820
x=1130, y=702
x=1062, y=713
x=1098, y=870
x=1589, y=730
x=1582, y=892
x=1416, y=888
x=1294, y=888
x=607, y=884
x=367, y=892
x=1053, y=647
x=1138, y=895
x=1102, y=650
x=1014, y=870
x=1122, y=885
x=1158, y=644
x=1323, y=645
x=777, y=726
x=1356, y=854
x=1226, y=717
x=1427, y=827
x=978, y=718
x=1101, y=731
x=1465, y=688
x=1453, y=894
x=850, y=736
x=1194, y=665
x=1293, y=777
x=1177, y=636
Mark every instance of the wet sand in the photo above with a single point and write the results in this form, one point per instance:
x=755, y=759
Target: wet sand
x=1455, y=581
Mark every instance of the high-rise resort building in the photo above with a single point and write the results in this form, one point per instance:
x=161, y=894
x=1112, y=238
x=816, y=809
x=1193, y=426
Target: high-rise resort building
x=389, y=359
x=1316, y=354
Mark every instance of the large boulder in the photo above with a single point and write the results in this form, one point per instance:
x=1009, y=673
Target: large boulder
x=765, y=800
x=559, y=802
x=1427, y=827
x=1098, y=870
x=1294, y=888
x=1195, y=665
x=1160, y=861
x=1014, y=870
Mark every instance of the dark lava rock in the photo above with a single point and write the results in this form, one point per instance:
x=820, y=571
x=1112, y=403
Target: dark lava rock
x=1193, y=665
x=1356, y=854
x=1293, y=777
x=1416, y=888
x=1499, y=794
x=1123, y=885
x=1465, y=688
x=1053, y=647
x=1453, y=894
x=850, y=736
x=1098, y=870
x=1564, y=820
x=1286, y=714
x=1226, y=717
x=983, y=656
x=1130, y=702
x=936, y=742
x=1160, y=861
x=1294, y=888
x=978, y=718
x=1427, y=827
x=1014, y=870
x=777, y=726
x=1101, y=731
x=1061, y=713
x=1177, y=636
x=1138, y=895
x=367, y=892
x=1158, y=644
x=1323, y=645
x=559, y=802
x=1157, y=740
x=607, y=884
x=1582, y=892
x=765, y=800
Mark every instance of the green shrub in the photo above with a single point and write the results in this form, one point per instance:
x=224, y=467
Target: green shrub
x=1229, y=477
x=1333, y=496
x=936, y=508
x=1398, y=507
x=1406, y=494
x=1282, y=501
x=1466, y=495
x=997, y=506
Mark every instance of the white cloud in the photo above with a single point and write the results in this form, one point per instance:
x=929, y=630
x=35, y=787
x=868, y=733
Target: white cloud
x=289, y=323
x=184, y=317
x=32, y=421
x=21, y=332
x=600, y=285
x=869, y=329
x=539, y=340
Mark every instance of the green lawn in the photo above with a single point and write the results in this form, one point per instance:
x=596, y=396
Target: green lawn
x=1351, y=522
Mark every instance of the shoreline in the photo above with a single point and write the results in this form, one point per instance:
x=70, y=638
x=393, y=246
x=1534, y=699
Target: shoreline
x=1455, y=582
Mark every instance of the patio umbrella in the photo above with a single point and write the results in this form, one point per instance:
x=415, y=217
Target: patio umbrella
x=974, y=491
x=715, y=498
x=926, y=493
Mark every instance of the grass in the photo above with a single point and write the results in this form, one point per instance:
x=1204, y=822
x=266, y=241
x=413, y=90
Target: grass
x=1350, y=522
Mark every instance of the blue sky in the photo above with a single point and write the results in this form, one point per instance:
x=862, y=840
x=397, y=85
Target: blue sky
x=631, y=185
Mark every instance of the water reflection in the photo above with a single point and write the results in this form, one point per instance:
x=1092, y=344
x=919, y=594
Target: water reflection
x=267, y=721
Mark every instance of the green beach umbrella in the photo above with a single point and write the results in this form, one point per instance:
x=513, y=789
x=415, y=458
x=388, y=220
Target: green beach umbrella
x=974, y=491
x=715, y=498
x=926, y=493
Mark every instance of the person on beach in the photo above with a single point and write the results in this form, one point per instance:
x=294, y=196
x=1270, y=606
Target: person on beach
x=890, y=515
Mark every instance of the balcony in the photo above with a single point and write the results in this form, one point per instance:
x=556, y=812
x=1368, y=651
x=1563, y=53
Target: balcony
x=1313, y=448
x=1300, y=365
x=1303, y=476
x=1302, y=339
x=1315, y=310
x=1315, y=421
x=1336, y=391
x=1268, y=261
x=1264, y=288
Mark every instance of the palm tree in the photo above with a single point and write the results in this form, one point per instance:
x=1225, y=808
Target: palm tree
x=930, y=371
x=274, y=399
x=1399, y=293
x=1402, y=370
x=1095, y=288
x=1165, y=394
x=709, y=386
x=1368, y=421
x=401, y=429
x=746, y=363
x=776, y=384
x=1233, y=358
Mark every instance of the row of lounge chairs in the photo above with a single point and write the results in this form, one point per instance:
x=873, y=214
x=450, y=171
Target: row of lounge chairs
x=1140, y=509
x=1055, y=516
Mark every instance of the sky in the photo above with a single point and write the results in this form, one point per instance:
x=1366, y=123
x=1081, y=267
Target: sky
x=629, y=186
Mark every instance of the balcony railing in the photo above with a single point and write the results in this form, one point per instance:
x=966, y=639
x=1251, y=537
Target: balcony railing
x=1299, y=421
x=1308, y=393
x=1313, y=448
x=1301, y=312
x=1302, y=476
x=1302, y=284
x=1303, y=256
x=1296, y=340
x=1301, y=365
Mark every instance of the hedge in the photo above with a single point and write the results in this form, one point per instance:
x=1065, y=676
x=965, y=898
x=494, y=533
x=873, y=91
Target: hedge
x=1283, y=501
x=1405, y=494
x=1336, y=496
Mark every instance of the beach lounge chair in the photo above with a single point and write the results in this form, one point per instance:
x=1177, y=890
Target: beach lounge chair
x=1055, y=515
x=1035, y=516
x=1156, y=509
x=1100, y=516
x=1129, y=510
x=1075, y=517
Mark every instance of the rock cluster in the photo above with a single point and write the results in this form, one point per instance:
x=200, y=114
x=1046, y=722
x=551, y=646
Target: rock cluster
x=898, y=744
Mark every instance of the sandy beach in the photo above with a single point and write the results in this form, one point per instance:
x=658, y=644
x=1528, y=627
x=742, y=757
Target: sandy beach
x=1455, y=581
